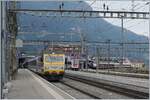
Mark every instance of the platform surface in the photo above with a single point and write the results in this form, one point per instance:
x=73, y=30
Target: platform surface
x=121, y=79
x=28, y=85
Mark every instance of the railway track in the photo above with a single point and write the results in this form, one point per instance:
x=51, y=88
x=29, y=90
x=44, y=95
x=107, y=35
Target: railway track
x=82, y=92
x=118, y=92
x=76, y=87
x=117, y=88
x=92, y=91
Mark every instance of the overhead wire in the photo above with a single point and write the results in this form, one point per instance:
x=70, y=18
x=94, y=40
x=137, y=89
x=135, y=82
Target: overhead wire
x=135, y=24
x=140, y=7
x=109, y=6
x=113, y=22
x=90, y=4
x=127, y=20
x=112, y=27
x=109, y=22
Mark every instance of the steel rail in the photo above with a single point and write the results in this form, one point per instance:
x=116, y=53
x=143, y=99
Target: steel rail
x=80, y=90
x=121, y=90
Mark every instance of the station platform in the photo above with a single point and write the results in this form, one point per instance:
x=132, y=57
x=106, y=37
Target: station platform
x=141, y=82
x=28, y=85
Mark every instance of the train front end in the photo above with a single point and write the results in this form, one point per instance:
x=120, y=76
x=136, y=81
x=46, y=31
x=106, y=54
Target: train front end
x=54, y=66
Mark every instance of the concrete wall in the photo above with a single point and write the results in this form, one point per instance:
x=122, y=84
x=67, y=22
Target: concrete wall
x=7, y=47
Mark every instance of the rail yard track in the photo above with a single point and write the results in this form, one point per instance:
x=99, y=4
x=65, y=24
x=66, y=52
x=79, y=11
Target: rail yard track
x=93, y=89
x=122, y=89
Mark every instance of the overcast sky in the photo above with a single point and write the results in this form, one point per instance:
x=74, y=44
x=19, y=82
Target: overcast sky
x=139, y=26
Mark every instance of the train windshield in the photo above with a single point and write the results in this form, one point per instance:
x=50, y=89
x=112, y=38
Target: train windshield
x=54, y=58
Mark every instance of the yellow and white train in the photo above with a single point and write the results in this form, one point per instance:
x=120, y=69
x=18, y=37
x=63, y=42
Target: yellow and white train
x=50, y=65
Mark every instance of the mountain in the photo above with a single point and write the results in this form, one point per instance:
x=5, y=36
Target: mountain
x=53, y=28
x=94, y=29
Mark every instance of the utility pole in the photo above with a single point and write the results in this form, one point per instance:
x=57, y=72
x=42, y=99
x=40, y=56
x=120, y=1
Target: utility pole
x=1, y=75
x=148, y=3
x=108, y=41
x=86, y=51
x=149, y=26
x=149, y=18
x=52, y=46
x=83, y=48
x=122, y=37
x=97, y=50
x=71, y=44
x=82, y=43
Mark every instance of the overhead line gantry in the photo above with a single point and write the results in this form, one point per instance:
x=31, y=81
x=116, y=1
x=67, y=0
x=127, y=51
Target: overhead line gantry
x=83, y=13
x=38, y=42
